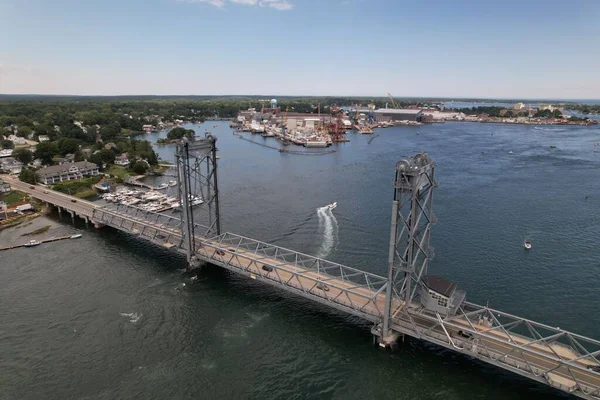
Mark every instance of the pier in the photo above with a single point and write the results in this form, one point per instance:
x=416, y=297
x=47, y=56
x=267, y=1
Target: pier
x=42, y=241
x=396, y=304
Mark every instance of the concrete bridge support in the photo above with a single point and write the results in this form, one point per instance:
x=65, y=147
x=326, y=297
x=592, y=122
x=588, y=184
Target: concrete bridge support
x=388, y=340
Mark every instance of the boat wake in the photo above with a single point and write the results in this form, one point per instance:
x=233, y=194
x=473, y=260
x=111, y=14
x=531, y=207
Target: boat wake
x=328, y=225
x=133, y=317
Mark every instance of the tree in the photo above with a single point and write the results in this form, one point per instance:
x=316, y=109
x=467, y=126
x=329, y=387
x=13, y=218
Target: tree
x=78, y=156
x=178, y=133
x=7, y=144
x=27, y=175
x=107, y=156
x=110, y=131
x=140, y=167
x=24, y=131
x=23, y=155
x=46, y=151
x=67, y=145
x=152, y=159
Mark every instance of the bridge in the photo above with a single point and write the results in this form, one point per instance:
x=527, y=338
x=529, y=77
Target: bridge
x=408, y=301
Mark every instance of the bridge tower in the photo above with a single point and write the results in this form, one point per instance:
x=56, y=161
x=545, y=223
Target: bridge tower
x=412, y=218
x=198, y=192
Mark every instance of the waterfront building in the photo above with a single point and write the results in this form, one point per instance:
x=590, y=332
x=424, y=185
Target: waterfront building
x=66, y=172
x=399, y=114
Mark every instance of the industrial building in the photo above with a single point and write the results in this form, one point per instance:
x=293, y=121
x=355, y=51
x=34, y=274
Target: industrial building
x=398, y=114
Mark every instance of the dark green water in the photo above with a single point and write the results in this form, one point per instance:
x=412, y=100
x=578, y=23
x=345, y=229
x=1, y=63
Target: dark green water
x=107, y=316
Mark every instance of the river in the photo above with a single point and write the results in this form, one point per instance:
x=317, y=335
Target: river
x=108, y=316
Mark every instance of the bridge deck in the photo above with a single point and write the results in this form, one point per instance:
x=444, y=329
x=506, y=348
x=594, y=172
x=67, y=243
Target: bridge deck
x=549, y=355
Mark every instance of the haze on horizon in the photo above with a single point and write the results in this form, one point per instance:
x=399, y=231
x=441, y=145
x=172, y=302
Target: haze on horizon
x=510, y=49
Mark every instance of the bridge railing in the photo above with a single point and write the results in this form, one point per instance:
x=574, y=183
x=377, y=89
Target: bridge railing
x=358, y=290
x=503, y=338
x=158, y=220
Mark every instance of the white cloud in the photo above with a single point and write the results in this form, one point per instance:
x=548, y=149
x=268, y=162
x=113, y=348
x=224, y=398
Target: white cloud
x=216, y=3
x=282, y=5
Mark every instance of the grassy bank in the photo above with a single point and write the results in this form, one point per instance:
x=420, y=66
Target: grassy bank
x=79, y=188
x=118, y=171
x=14, y=197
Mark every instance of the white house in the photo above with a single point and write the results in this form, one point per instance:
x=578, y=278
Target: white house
x=43, y=138
x=122, y=160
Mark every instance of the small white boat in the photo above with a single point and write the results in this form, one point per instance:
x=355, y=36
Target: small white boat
x=172, y=183
x=510, y=152
x=75, y=236
x=332, y=205
x=527, y=245
x=32, y=243
x=163, y=186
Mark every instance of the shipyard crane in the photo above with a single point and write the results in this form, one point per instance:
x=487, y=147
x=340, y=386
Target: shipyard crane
x=394, y=104
x=284, y=120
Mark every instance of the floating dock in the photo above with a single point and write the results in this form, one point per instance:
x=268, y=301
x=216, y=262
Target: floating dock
x=52, y=239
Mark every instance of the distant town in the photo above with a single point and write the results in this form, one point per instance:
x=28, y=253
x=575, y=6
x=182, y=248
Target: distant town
x=77, y=145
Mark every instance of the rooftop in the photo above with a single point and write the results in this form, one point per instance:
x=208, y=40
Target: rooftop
x=398, y=111
x=55, y=169
x=439, y=285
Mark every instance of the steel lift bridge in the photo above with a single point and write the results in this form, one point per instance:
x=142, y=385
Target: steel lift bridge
x=408, y=301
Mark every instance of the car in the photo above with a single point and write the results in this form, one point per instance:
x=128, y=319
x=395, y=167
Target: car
x=73, y=201
x=31, y=187
x=267, y=268
x=159, y=236
x=45, y=192
x=594, y=368
x=466, y=335
x=322, y=287
x=220, y=252
x=231, y=250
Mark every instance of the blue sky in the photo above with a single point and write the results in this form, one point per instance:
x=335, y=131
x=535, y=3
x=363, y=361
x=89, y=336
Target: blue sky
x=449, y=48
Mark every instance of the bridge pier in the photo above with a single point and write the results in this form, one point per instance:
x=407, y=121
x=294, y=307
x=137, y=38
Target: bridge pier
x=72, y=213
x=195, y=263
x=98, y=225
x=388, y=341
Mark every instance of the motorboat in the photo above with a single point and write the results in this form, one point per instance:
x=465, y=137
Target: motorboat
x=163, y=186
x=75, y=236
x=32, y=243
x=172, y=183
x=527, y=245
x=332, y=205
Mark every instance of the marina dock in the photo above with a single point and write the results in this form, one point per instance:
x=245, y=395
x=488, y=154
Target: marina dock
x=48, y=240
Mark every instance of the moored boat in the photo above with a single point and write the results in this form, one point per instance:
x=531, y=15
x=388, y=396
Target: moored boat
x=75, y=236
x=32, y=243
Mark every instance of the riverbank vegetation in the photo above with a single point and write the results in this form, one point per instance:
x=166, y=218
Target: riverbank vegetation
x=14, y=197
x=81, y=188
